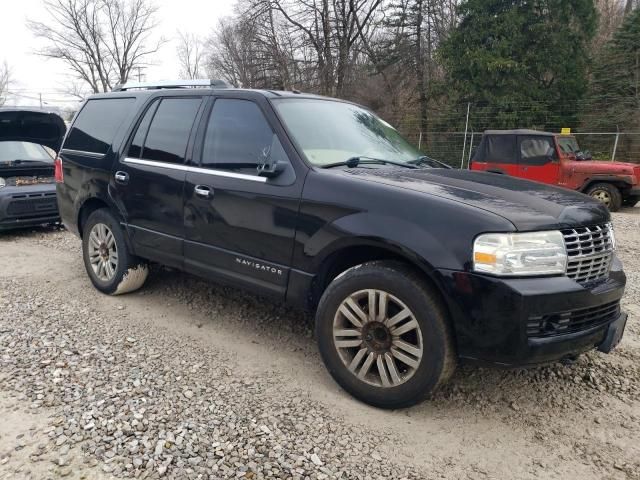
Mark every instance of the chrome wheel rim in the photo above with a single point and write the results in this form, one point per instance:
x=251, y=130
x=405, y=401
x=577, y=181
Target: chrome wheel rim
x=603, y=196
x=103, y=253
x=378, y=338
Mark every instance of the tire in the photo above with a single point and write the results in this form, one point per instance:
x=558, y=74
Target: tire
x=110, y=266
x=630, y=201
x=432, y=359
x=607, y=194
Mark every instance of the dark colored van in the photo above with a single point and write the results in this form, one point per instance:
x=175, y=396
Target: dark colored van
x=29, y=140
x=319, y=203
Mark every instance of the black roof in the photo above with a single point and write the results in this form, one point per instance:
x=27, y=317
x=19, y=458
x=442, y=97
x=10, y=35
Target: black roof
x=521, y=131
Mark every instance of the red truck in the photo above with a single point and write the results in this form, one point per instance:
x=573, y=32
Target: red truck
x=556, y=159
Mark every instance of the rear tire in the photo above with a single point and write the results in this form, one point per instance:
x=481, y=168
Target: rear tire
x=388, y=361
x=110, y=266
x=608, y=194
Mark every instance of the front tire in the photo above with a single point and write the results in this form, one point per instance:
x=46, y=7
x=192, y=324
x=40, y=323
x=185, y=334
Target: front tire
x=110, y=266
x=608, y=194
x=384, y=335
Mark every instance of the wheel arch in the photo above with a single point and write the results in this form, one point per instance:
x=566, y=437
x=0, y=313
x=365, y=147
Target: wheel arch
x=359, y=251
x=90, y=205
x=617, y=182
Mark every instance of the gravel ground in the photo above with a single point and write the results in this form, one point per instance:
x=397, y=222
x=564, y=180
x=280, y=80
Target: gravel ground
x=185, y=379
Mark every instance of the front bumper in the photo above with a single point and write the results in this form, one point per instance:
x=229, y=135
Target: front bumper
x=496, y=319
x=28, y=206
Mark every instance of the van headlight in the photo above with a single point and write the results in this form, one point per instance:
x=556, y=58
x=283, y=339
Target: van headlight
x=515, y=254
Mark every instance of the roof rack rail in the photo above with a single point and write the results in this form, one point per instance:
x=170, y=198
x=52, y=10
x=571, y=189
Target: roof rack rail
x=197, y=83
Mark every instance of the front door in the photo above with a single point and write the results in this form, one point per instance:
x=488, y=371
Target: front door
x=150, y=178
x=538, y=159
x=240, y=226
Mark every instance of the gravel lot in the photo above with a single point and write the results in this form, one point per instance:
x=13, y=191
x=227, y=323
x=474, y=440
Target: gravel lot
x=185, y=379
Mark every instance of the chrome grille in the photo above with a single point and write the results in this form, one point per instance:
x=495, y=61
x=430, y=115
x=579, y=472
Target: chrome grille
x=589, y=251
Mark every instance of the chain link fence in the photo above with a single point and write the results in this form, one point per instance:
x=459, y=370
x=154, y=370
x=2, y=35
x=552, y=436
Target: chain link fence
x=454, y=143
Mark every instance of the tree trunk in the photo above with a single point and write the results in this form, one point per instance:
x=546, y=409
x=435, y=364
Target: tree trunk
x=419, y=60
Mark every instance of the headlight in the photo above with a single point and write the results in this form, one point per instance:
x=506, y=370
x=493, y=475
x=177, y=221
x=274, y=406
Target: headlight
x=2, y=182
x=513, y=254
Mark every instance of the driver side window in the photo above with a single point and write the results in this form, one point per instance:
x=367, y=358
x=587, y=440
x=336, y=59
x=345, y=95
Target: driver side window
x=537, y=151
x=238, y=138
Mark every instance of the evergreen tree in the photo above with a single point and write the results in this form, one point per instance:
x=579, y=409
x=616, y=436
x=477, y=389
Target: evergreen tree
x=615, y=87
x=525, y=59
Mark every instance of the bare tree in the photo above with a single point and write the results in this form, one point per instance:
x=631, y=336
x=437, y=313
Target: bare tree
x=101, y=41
x=190, y=55
x=5, y=80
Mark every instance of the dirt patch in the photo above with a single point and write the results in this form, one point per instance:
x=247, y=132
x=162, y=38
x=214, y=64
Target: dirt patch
x=238, y=379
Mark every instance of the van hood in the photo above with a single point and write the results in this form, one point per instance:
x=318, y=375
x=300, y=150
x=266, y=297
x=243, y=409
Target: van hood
x=528, y=205
x=29, y=125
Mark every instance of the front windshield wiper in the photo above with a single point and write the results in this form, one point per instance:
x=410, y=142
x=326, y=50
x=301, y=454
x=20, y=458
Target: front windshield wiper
x=353, y=162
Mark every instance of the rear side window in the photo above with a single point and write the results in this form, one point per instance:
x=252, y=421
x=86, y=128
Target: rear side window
x=238, y=137
x=170, y=128
x=135, y=149
x=500, y=149
x=97, y=124
x=536, y=150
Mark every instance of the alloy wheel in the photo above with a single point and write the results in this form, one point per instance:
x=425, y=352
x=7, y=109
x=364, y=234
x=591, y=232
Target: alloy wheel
x=378, y=338
x=103, y=252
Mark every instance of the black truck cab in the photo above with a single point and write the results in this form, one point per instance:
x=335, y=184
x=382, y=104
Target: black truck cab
x=320, y=203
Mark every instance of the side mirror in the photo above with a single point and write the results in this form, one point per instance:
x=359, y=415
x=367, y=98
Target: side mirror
x=271, y=169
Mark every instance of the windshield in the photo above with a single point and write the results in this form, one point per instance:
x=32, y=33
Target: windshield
x=568, y=145
x=330, y=132
x=24, y=151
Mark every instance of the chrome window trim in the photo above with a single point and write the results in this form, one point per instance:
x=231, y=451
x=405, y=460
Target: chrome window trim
x=187, y=168
x=82, y=152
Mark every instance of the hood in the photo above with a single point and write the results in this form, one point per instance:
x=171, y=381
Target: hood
x=605, y=167
x=35, y=126
x=528, y=205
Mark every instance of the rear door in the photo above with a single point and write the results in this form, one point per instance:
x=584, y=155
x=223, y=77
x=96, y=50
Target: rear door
x=149, y=179
x=240, y=226
x=538, y=159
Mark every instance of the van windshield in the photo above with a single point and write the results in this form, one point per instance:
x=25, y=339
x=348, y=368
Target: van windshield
x=330, y=132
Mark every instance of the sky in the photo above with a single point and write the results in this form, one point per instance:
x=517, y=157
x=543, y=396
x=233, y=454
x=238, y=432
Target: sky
x=33, y=75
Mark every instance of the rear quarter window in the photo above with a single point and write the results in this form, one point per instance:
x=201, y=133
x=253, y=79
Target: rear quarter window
x=500, y=149
x=97, y=124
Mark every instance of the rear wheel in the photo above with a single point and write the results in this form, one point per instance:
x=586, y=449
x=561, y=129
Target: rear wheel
x=608, y=194
x=384, y=336
x=110, y=266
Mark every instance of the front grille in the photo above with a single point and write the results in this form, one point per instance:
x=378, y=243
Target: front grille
x=572, y=321
x=32, y=204
x=589, y=251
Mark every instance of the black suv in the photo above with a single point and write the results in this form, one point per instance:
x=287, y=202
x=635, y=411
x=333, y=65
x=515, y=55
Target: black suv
x=320, y=203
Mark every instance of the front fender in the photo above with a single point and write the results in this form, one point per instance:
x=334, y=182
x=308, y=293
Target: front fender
x=412, y=241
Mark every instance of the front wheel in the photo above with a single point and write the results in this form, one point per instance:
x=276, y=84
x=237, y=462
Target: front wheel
x=384, y=335
x=608, y=194
x=110, y=266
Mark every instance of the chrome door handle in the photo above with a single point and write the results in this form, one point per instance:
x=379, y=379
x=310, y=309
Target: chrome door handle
x=203, y=191
x=122, y=177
